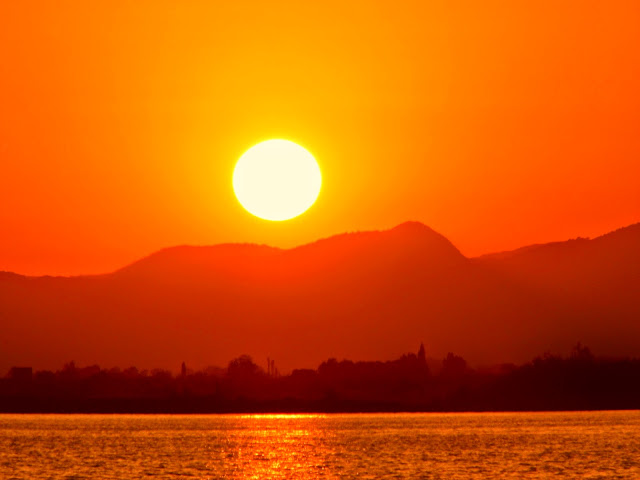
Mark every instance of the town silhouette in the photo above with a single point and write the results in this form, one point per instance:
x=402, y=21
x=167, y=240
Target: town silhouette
x=413, y=382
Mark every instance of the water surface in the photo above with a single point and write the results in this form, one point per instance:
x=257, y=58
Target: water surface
x=586, y=445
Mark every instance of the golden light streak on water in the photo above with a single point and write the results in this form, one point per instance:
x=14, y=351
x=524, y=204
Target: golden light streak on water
x=469, y=446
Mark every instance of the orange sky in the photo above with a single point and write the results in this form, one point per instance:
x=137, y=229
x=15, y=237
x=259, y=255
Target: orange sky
x=495, y=123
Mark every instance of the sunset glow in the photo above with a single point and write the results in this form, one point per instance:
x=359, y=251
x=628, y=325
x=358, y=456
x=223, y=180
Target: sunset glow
x=499, y=125
x=312, y=240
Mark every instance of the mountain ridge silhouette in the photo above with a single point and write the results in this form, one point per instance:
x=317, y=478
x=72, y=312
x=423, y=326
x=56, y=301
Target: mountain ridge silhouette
x=362, y=295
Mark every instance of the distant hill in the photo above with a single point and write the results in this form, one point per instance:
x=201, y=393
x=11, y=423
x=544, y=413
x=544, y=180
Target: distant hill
x=365, y=295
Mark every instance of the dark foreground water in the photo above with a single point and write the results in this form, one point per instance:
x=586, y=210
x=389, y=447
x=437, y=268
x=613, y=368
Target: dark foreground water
x=585, y=445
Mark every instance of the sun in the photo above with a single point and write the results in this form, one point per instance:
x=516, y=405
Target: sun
x=277, y=180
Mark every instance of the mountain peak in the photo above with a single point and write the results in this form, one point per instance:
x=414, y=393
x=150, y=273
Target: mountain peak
x=423, y=237
x=405, y=237
x=411, y=226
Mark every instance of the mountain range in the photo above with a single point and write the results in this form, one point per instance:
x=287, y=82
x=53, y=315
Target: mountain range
x=363, y=296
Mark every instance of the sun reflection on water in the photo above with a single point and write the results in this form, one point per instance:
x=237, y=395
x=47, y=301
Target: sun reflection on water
x=286, y=416
x=281, y=446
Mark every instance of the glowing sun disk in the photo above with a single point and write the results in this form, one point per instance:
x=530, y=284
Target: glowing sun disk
x=277, y=180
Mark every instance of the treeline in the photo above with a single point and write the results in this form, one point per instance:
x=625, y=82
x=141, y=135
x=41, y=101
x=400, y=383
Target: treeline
x=579, y=381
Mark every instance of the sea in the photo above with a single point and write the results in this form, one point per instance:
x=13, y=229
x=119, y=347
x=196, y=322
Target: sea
x=559, y=445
